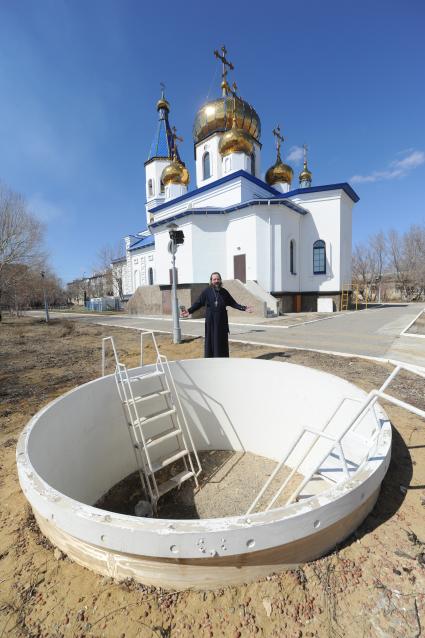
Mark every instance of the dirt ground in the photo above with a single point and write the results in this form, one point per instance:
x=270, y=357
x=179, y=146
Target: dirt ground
x=372, y=585
x=229, y=483
x=418, y=328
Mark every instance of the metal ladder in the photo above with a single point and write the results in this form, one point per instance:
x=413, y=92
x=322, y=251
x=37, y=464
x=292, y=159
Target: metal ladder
x=150, y=429
x=345, y=296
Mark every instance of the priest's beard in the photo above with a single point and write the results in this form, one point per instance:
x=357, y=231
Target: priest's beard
x=217, y=286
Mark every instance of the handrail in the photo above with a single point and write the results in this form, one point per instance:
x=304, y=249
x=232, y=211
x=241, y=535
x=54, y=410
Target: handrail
x=104, y=340
x=367, y=405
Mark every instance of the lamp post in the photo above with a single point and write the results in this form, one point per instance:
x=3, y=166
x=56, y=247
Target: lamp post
x=176, y=238
x=46, y=307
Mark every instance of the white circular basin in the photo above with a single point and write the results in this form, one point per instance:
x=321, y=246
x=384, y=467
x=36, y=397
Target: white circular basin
x=78, y=447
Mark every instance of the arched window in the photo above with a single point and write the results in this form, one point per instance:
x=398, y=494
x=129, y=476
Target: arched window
x=162, y=187
x=253, y=164
x=150, y=276
x=206, y=166
x=292, y=257
x=319, y=257
x=150, y=188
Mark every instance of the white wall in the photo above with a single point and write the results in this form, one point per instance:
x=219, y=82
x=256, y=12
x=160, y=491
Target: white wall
x=209, y=145
x=153, y=171
x=287, y=229
x=141, y=260
x=346, y=239
x=322, y=222
x=240, y=240
x=209, y=246
x=224, y=195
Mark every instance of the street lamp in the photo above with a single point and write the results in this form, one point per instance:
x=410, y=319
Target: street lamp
x=176, y=238
x=46, y=307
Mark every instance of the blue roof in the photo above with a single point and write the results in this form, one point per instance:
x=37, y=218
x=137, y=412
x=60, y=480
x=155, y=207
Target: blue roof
x=163, y=142
x=143, y=242
x=327, y=187
x=276, y=194
x=118, y=259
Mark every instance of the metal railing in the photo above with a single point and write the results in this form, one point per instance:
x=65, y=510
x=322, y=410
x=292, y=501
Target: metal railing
x=368, y=405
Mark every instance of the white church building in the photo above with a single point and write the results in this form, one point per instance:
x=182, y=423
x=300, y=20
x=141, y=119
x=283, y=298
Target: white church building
x=291, y=241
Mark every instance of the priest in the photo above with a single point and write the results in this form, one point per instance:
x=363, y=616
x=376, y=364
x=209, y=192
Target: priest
x=215, y=298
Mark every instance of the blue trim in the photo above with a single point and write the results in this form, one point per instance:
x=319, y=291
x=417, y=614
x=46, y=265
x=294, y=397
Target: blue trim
x=328, y=187
x=142, y=243
x=117, y=260
x=218, y=182
x=224, y=211
x=258, y=182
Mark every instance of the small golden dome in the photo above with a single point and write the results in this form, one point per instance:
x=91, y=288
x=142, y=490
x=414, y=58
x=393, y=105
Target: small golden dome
x=305, y=175
x=280, y=172
x=235, y=141
x=162, y=104
x=175, y=173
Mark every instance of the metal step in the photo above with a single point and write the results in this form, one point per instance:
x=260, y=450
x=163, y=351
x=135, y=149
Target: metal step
x=162, y=436
x=167, y=460
x=150, y=375
x=154, y=417
x=153, y=395
x=177, y=480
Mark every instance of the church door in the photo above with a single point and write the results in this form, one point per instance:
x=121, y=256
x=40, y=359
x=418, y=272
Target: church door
x=239, y=267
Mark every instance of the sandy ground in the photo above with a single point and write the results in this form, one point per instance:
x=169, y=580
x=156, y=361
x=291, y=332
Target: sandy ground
x=228, y=485
x=372, y=585
x=418, y=328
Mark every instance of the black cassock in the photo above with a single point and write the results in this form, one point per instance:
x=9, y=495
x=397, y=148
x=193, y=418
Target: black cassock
x=216, y=320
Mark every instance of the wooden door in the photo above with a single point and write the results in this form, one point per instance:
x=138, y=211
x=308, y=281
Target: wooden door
x=239, y=268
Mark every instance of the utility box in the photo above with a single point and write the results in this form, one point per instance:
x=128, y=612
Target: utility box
x=325, y=304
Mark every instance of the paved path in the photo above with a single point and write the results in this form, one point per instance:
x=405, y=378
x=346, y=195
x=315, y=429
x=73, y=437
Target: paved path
x=374, y=332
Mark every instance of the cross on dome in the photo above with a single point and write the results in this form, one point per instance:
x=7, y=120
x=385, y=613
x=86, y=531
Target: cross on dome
x=225, y=63
x=175, y=138
x=279, y=139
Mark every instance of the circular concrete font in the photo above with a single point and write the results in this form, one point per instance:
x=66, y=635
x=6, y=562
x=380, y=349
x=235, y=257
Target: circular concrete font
x=77, y=447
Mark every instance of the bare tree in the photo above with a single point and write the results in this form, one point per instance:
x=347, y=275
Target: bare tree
x=414, y=261
x=21, y=237
x=397, y=261
x=363, y=268
x=394, y=257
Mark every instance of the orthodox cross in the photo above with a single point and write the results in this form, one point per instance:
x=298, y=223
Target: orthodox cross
x=175, y=137
x=162, y=85
x=305, y=147
x=279, y=139
x=226, y=63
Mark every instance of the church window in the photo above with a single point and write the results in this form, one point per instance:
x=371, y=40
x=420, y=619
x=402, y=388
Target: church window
x=206, y=166
x=150, y=276
x=292, y=257
x=150, y=188
x=319, y=257
x=252, y=163
x=162, y=187
x=226, y=164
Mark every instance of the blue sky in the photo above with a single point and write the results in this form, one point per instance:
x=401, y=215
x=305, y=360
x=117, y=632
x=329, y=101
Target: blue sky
x=79, y=81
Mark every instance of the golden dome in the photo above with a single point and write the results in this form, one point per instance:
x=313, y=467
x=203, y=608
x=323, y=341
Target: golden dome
x=162, y=104
x=175, y=173
x=235, y=141
x=305, y=175
x=217, y=116
x=280, y=172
